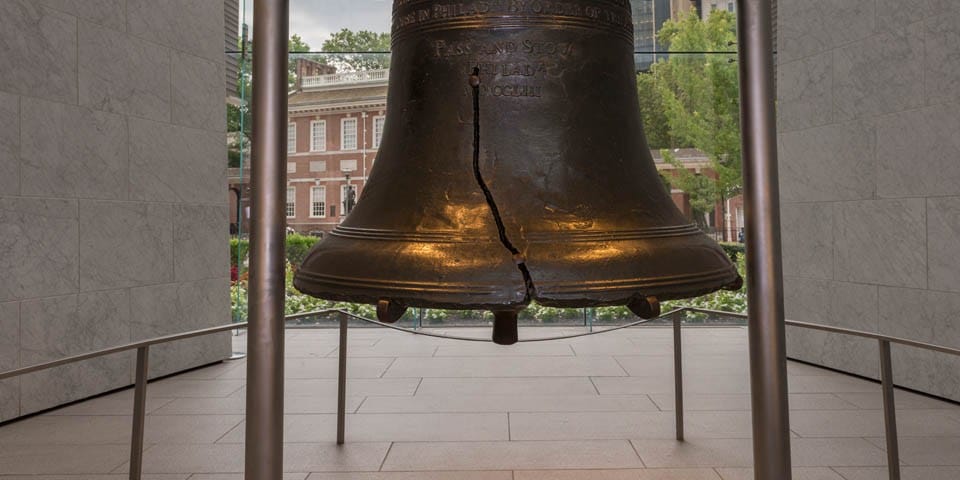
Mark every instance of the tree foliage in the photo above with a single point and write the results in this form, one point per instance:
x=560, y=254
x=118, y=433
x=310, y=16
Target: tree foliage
x=693, y=101
x=353, y=44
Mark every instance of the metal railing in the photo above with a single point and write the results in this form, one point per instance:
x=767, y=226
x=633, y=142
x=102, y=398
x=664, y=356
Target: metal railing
x=143, y=351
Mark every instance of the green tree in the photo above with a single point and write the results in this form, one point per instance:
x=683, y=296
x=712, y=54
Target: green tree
x=352, y=45
x=698, y=97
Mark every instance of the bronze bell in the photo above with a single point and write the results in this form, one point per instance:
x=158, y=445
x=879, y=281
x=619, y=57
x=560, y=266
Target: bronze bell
x=513, y=168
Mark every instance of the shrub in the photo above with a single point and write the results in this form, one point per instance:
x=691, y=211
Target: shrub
x=733, y=250
x=297, y=248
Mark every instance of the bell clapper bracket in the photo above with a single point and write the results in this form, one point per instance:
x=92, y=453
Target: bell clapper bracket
x=389, y=311
x=645, y=307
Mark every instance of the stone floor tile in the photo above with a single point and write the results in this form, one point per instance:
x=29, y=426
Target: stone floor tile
x=838, y=383
x=657, y=453
x=647, y=474
x=55, y=459
x=507, y=386
x=903, y=399
x=387, y=349
x=236, y=405
x=840, y=452
x=177, y=388
x=926, y=451
x=228, y=458
x=355, y=387
x=906, y=473
x=179, y=476
x=661, y=385
x=799, y=473
x=476, y=349
x=330, y=457
x=508, y=403
x=239, y=476
x=103, y=430
x=300, y=368
x=491, y=475
x=505, y=367
x=511, y=455
x=403, y=427
x=741, y=402
x=120, y=403
x=866, y=423
x=653, y=366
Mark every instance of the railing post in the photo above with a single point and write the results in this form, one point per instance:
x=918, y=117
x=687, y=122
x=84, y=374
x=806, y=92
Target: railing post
x=678, y=372
x=139, y=413
x=342, y=382
x=889, y=411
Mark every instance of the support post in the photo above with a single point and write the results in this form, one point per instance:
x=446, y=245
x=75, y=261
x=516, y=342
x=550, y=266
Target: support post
x=264, y=430
x=767, y=337
x=678, y=373
x=139, y=413
x=889, y=411
x=342, y=382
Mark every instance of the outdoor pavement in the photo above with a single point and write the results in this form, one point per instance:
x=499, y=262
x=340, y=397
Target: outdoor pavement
x=420, y=408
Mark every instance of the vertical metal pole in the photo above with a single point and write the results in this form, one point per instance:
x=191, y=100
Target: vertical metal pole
x=139, y=413
x=678, y=373
x=768, y=366
x=889, y=411
x=264, y=431
x=342, y=382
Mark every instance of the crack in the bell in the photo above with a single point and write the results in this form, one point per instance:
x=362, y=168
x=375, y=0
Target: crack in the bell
x=518, y=257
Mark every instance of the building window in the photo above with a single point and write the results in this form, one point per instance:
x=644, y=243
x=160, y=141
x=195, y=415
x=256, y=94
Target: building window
x=318, y=166
x=729, y=6
x=348, y=165
x=378, y=130
x=348, y=134
x=291, y=167
x=318, y=202
x=348, y=198
x=291, y=138
x=318, y=136
x=291, y=202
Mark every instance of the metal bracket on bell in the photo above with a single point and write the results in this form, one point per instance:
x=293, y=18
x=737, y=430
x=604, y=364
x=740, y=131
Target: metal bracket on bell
x=645, y=307
x=389, y=311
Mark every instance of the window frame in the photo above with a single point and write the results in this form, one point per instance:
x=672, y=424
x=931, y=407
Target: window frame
x=343, y=133
x=378, y=139
x=313, y=135
x=322, y=202
x=291, y=203
x=291, y=137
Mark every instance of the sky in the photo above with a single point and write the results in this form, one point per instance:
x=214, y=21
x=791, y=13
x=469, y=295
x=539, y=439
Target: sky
x=315, y=20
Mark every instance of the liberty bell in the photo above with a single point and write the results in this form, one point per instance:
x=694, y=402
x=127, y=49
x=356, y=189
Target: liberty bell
x=513, y=168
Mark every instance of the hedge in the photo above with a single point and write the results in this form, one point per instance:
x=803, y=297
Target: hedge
x=733, y=250
x=297, y=248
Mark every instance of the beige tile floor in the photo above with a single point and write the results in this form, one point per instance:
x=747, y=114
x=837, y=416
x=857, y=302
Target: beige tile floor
x=592, y=408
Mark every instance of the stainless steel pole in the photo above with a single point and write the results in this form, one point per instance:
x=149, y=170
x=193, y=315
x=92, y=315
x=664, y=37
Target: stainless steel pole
x=342, y=382
x=678, y=373
x=768, y=365
x=889, y=411
x=139, y=413
x=264, y=434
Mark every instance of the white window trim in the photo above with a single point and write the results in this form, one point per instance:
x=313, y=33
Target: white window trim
x=294, y=202
x=323, y=189
x=343, y=133
x=292, y=137
x=378, y=141
x=313, y=145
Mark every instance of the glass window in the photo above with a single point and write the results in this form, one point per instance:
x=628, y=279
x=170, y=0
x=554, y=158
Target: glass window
x=291, y=202
x=729, y=6
x=348, y=134
x=318, y=166
x=318, y=136
x=318, y=202
x=291, y=138
x=378, y=130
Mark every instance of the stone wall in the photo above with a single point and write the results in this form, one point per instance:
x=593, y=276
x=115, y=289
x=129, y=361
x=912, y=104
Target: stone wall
x=113, y=217
x=869, y=135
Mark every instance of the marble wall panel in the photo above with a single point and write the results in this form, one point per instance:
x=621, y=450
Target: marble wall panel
x=199, y=235
x=57, y=327
x=71, y=151
x=167, y=309
x=176, y=164
x=931, y=372
x=9, y=359
x=9, y=144
x=806, y=27
x=122, y=74
x=125, y=244
x=923, y=315
x=109, y=13
x=805, y=90
x=943, y=243
x=882, y=242
x=39, y=254
x=941, y=62
x=39, y=49
x=807, y=239
x=197, y=86
x=918, y=152
x=834, y=162
x=187, y=25
x=880, y=74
